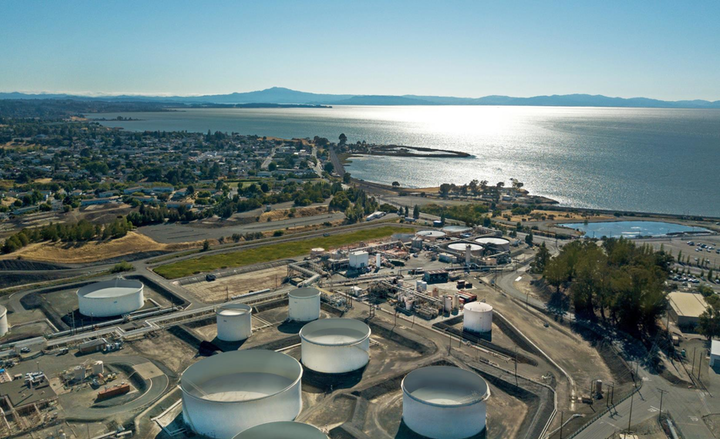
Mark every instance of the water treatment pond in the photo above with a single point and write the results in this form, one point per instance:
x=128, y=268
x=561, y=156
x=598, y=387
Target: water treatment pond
x=631, y=229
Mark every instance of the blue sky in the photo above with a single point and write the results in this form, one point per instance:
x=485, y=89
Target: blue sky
x=659, y=49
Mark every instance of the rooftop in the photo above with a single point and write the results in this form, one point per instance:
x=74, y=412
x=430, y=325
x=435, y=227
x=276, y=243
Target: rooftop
x=687, y=304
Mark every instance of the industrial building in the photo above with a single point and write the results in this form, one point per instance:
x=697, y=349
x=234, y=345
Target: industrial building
x=335, y=345
x=359, y=259
x=234, y=322
x=111, y=298
x=444, y=402
x=228, y=393
x=282, y=430
x=686, y=308
x=477, y=317
x=3, y=321
x=714, y=353
x=304, y=305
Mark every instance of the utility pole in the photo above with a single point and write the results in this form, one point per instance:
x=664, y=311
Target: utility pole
x=662, y=392
x=700, y=357
x=632, y=395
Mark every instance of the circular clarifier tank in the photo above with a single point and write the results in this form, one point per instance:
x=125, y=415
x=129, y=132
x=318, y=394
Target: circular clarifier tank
x=282, y=430
x=444, y=402
x=111, y=298
x=335, y=345
x=462, y=246
x=228, y=393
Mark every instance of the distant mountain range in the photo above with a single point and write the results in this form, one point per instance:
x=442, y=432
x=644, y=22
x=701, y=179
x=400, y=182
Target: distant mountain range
x=280, y=95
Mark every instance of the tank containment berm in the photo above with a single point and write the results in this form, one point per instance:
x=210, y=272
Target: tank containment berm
x=444, y=402
x=282, y=430
x=335, y=345
x=230, y=392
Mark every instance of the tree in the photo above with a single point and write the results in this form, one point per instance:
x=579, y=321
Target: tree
x=272, y=166
x=395, y=184
x=529, y=239
x=329, y=167
x=416, y=212
x=346, y=178
x=709, y=322
x=206, y=245
x=445, y=190
x=342, y=138
x=541, y=258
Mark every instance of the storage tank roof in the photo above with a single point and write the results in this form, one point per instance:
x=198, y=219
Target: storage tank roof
x=304, y=292
x=282, y=430
x=239, y=376
x=445, y=386
x=110, y=289
x=478, y=307
x=335, y=332
x=494, y=241
x=234, y=309
x=462, y=246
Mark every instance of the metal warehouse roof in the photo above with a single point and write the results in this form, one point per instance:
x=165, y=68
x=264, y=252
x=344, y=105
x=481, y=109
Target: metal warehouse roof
x=687, y=304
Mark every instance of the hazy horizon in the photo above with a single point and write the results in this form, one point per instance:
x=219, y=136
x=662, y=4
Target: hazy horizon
x=660, y=50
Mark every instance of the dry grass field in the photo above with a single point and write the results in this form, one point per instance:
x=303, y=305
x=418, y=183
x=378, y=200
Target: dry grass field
x=93, y=251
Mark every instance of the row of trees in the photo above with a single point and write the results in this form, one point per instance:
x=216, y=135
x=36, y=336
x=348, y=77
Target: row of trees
x=81, y=231
x=621, y=281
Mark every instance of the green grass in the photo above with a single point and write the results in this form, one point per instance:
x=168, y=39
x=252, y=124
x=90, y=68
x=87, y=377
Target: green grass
x=272, y=252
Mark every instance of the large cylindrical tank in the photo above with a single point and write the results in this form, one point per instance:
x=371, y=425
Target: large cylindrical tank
x=111, y=297
x=444, y=402
x=3, y=321
x=282, y=430
x=335, y=345
x=234, y=321
x=304, y=305
x=477, y=317
x=497, y=244
x=228, y=393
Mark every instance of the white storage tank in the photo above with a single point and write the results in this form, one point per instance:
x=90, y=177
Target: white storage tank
x=444, y=402
x=98, y=368
x=282, y=430
x=234, y=321
x=111, y=298
x=3, y=321
x=230, y=392
x=335, y=345
x=79, y=373
x=304, y=305
x=477, y=317
x=359, y=259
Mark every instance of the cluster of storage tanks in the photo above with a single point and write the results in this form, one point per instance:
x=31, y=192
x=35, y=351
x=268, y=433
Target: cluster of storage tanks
x=110, y=298
x=257, y=394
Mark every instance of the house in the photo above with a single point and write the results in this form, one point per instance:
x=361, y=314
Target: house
x=163, y=189
x=178, y=204
x=106, y=194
